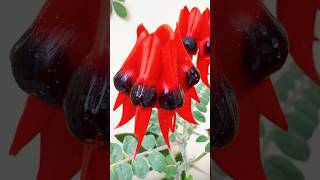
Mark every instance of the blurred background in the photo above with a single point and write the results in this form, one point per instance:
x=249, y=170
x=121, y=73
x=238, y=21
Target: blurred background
x=298, y=95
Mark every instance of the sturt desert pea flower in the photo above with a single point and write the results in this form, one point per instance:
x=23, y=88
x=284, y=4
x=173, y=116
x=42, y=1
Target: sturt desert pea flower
x=195, y=32
x=42, y=62
x=249, y=46
x=158, y=73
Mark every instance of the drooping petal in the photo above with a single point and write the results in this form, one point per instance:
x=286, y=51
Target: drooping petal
x=203, y=66
x=183, y=20
x=121, y=98
x=141, y=124
x=60, y=153
x=165, y=120
x=128, y=112
x=185, y=111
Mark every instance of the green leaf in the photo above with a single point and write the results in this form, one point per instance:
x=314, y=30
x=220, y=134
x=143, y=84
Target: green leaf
x=160, y=141
x=292, y=145
x=203, y=100
x=120, y=137
x=201, y=139
x=154, y=128
x=301, y=125
x=207, y=148
x=170, y=171
x=201, y=107
x=123, y=171
x=148, y=142
x=129, y=145
x=313, y=96
x=140, y=167
x=199, y=116
x=280, y=168
x=157, y=161
x=115, y=152
x=120, y=9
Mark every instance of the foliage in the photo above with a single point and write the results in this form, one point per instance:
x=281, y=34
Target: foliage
x=119, y=8
x=154, y=154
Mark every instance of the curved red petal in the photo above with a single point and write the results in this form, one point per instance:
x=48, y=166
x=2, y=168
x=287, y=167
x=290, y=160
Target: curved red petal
x=121, y=98
x=174, y=123
x=60, y=153
x=193, y=94
x=35, y=116
x=203, y=66
x=165, y=120
x=301, y=38
x=266, y=102
x=128, y=111
x=240, y=164
x=185, y=110
x=141, y=124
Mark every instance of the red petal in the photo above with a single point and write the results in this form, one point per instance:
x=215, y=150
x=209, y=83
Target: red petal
x=204, y=25
x=193, y=23
x=185, y=111
x=301, y=38
x=266, y=102
x=141, y=124
x=121, y=98
x=128, y=111
x=203, y=66
x=174, y=123
x=35, y=116
x=165, y=119
x=241, y=159
x=193, y=94
x=183, y=20
x=141, y=29
x=60, y=155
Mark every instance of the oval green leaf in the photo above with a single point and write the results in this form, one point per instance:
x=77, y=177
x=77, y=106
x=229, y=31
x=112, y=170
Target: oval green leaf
x=120, y=9
x=148, y=142
x=157, y=161
x=129, y=145
x=115, y=152
x=140, y=167
x=201, y=139
x=199, y=116
x=123, y=171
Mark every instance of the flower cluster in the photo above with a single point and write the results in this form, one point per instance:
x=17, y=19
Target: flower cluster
x=159, y=73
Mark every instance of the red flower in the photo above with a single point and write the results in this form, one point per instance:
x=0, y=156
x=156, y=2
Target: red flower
x=42, y=63
x=195, y=32
x=158, y=73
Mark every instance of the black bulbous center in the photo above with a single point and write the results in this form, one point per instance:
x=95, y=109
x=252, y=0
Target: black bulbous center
x=190, y=44
x=122, y=82
x=145, y=96
x=170, y=100
x=193, y=77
